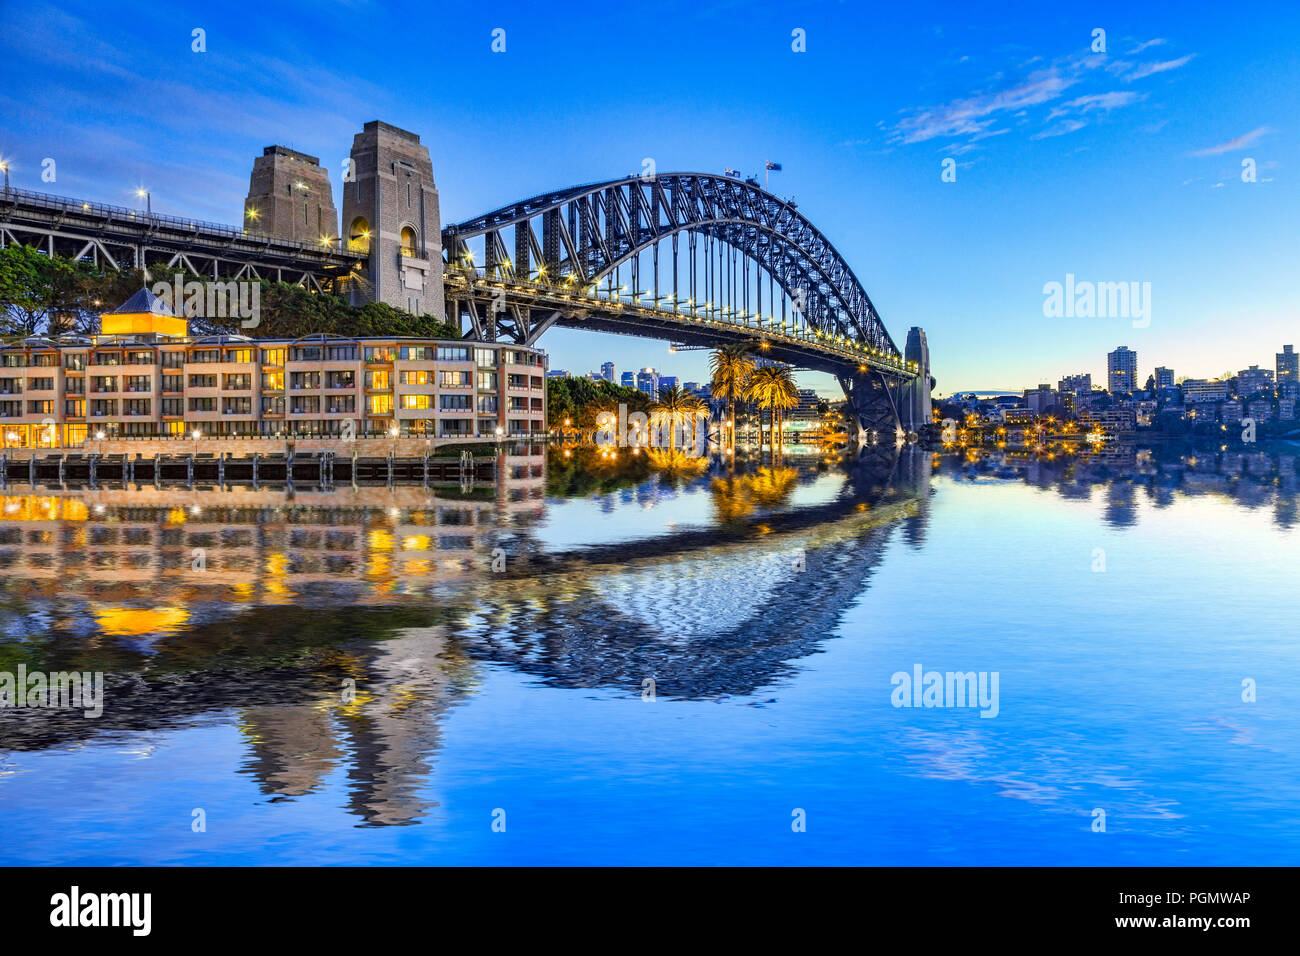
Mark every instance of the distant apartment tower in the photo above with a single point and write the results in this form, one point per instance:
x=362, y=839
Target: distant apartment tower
x=391, y=217
x=1198, y=390
x=289, y=197
x=1038, y=399
x=628, y=380
x=647, y=381
x=1121, y=371
x=607, y=371
x=1252, y=380
x=1164, y=377
x=1288, y=365
x=667, y=381
x=1075, y=384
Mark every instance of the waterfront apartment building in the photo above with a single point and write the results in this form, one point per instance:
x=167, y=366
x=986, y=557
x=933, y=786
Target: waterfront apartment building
x=136, y=383
x=1164, y=377
x=1288, y=365
x=1121, y=371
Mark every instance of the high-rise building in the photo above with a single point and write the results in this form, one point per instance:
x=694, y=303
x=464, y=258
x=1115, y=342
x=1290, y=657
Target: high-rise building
x=1252, y=380
x=607, y=371
x=667, y=381
x=1121, y=371
x=1164, y=377
x=647, y=380
x=1038, y=399
x=1288, y=365
x=1197, y=390
x=628, y=380
x=1075, y=384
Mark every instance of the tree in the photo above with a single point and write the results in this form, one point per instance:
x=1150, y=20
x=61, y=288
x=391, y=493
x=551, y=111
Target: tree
x=580, y=400
x=675, y=405
x=39, y=293
x=731, y=366
x=773, y=386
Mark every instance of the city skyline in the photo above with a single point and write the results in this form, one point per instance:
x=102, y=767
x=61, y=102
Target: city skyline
x=1126, y=167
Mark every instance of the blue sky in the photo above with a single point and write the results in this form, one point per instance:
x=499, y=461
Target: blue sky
x=1122, y=166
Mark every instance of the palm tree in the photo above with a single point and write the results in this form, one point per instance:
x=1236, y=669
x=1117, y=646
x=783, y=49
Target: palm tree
x=676, y=405
x=773, y=386
x=731, y=366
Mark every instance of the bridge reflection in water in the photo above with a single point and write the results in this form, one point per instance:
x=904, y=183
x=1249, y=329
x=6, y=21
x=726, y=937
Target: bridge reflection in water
x=264, y=607
x=393, y=592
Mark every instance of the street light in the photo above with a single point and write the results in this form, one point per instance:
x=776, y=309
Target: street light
x=148, y=201
x=5, y=167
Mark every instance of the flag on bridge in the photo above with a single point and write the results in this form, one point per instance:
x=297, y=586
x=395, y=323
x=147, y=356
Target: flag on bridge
x=773, y=167
x=731, y=172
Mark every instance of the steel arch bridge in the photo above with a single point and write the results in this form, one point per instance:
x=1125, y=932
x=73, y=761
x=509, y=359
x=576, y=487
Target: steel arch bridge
x=684, y=257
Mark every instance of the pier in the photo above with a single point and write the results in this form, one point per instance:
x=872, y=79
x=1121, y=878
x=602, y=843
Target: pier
x=322, y=467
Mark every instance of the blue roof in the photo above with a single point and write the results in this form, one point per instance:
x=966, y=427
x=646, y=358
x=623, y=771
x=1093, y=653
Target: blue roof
x=144, y=301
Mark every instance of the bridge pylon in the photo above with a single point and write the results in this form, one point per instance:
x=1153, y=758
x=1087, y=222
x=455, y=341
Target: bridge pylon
x=391, y=216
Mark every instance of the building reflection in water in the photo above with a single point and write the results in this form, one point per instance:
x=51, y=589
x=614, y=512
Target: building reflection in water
x=266, y=605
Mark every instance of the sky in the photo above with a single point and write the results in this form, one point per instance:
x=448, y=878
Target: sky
x=1117, y=166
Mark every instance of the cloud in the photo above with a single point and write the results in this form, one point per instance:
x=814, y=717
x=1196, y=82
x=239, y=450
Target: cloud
x=1147, y=69
x=1060, y=129
x=1095, y=101
x=1241, y=142
x=1158, y=41
x=973, y=115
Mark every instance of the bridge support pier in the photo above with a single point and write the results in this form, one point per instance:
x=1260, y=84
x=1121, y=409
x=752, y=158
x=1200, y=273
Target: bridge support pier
x=877, y=406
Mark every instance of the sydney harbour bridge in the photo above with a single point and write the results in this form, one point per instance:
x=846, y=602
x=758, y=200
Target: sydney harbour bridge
x=695, y=259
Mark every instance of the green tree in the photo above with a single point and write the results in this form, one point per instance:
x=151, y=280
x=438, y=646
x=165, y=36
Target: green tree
x=730, y=367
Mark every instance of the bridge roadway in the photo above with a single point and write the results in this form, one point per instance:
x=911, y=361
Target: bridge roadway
x=121, y=238
x=689, y=323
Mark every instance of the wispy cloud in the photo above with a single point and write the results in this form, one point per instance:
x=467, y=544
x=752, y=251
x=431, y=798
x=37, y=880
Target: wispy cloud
x=1011, y=100
x=1158, y=41
x=1060, y=129
x=1162, y=66
x=1241, y=142
x=1095, y=101
x=973, y=115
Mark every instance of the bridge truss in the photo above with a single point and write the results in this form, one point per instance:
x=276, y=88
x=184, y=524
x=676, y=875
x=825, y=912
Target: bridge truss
x=121, y=238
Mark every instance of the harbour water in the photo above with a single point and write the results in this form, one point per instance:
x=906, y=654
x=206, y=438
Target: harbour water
x=658, y=659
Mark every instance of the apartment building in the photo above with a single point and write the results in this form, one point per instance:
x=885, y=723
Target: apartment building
x=141, y=379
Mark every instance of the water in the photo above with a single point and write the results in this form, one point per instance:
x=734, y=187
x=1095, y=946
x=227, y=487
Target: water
x=348, y=681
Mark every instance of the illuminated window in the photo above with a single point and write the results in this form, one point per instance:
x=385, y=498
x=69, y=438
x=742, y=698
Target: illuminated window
x=381, y=404
x=413, y=401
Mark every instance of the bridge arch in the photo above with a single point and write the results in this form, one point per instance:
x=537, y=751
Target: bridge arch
x=587, y=234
